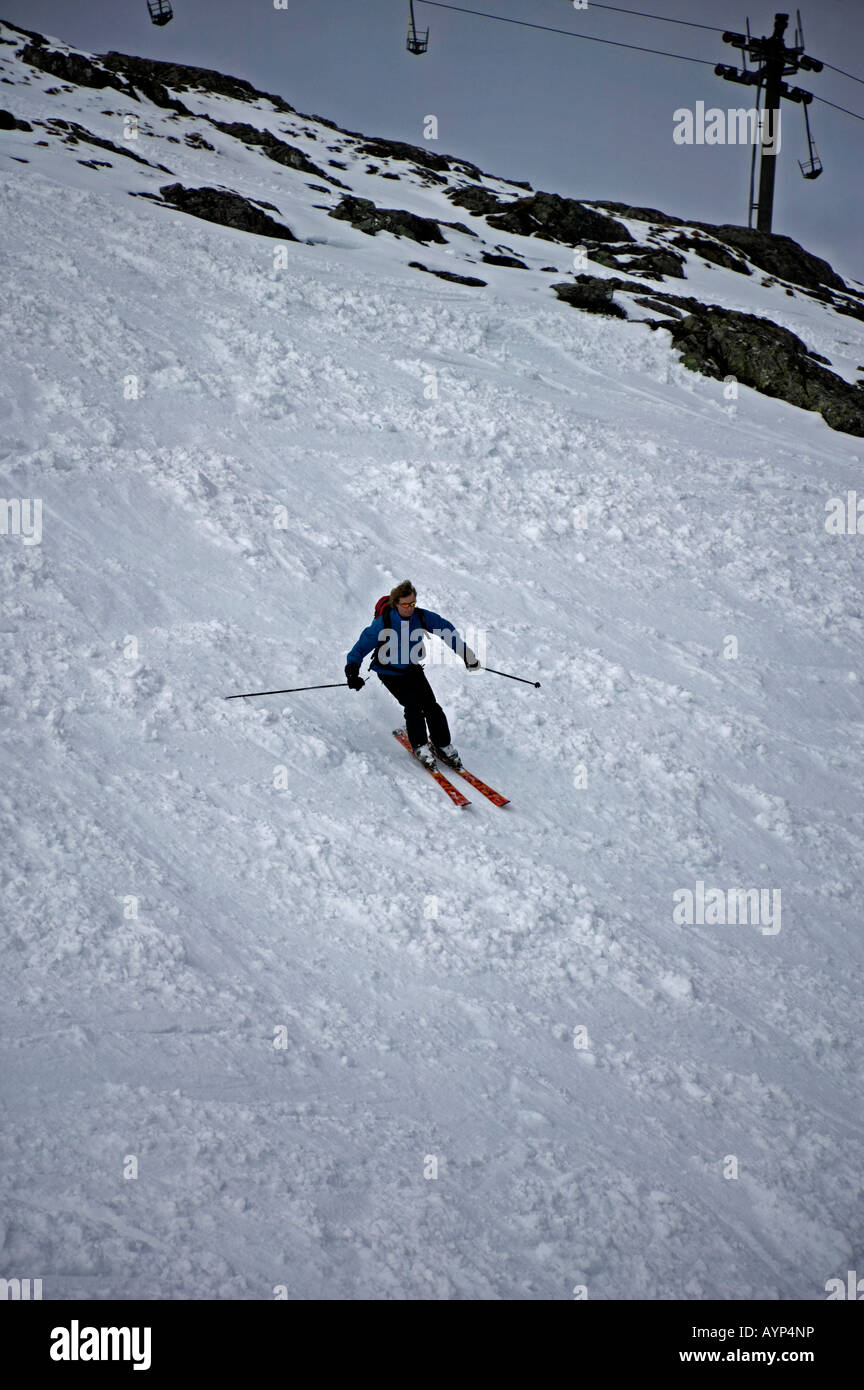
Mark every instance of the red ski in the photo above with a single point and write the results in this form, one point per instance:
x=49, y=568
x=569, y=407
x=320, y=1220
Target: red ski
x=493, y=796
x=453, y=792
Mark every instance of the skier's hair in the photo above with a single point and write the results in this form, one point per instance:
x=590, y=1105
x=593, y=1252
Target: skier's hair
x=403, y=590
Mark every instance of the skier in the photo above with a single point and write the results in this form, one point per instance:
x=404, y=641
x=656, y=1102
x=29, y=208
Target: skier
x=397, y=637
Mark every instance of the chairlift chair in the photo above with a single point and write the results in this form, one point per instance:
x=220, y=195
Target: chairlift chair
x=417, y=42
x=812, y=166
x=160, y=11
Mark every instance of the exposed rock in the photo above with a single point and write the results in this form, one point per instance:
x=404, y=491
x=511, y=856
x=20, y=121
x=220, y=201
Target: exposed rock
x=758, y=353
x=711, y=250
x=592, y=294
x=77, y=69
x=552, y=218
x=76, y=133
x=477, y=200
x=448, y=275
x=662, y=298
x=10, y=122
x=853, y=311
x=160, y=96
x=684, y=302
x=273, y=148
x=183, y=78
x=427, y=176
x=30, y=33
x=601, y=255
x=415, y=154
x=779, y=255
x=72, y=67
x=637, y=214
x=323, y=120
x=366, y=217
x=228, y=209
x=658, y=307
x=503, y=260
x=653, y=263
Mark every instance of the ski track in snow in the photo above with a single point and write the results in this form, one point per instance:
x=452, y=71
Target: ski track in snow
x=182, y=876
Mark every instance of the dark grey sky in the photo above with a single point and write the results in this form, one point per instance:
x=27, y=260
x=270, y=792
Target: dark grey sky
x=577, y=118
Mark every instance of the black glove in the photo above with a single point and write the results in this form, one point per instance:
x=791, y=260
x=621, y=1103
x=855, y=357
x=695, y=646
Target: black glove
x=353, y=674
x=471, y=661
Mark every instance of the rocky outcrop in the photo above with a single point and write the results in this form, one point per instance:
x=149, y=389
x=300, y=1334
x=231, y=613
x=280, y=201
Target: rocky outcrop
x=552, y=218
x=10, y=122
x=72, y=67
x=662, y=219
x=228, y=209
x=489, y=259
x=416, y=154
x=853, y=311
x=477, y=200
x=366, y=217
x=592, y=294
x=758, y=353
x=723, y=342
x=150, y=77
x=543, y=215
x=651, y=262
x=77, y=69
x=779, y=255
x=657, y=306
x=448, y=275
x=273, y=148
x=711, y=250
x=182, y=78
x=74, y=134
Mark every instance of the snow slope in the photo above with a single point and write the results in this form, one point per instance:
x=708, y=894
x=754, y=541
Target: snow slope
x=250, y=944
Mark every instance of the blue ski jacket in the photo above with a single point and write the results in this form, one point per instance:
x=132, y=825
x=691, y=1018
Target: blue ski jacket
x=406, y=646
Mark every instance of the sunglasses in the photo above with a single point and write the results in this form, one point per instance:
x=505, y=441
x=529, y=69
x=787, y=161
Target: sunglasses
x=406, y=603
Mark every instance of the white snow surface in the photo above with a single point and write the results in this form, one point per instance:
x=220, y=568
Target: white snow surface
x=190, y=883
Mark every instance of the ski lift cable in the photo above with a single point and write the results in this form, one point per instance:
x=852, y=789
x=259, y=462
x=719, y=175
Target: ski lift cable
x=850, y=75
x=568, y=33
x=643, y=14
x=838, y=108
x=590, y=38
x=691, y=24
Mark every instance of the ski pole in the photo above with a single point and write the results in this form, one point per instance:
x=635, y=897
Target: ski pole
x=536, y=684
x=249, y=694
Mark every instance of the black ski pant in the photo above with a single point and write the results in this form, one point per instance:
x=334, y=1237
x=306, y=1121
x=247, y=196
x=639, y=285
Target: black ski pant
x=417, y=698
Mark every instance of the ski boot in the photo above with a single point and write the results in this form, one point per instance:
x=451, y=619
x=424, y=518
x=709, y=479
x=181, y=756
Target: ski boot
x=449, y=755
x=423, y=753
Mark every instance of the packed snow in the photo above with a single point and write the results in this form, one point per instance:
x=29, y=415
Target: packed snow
x=277, y=1017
